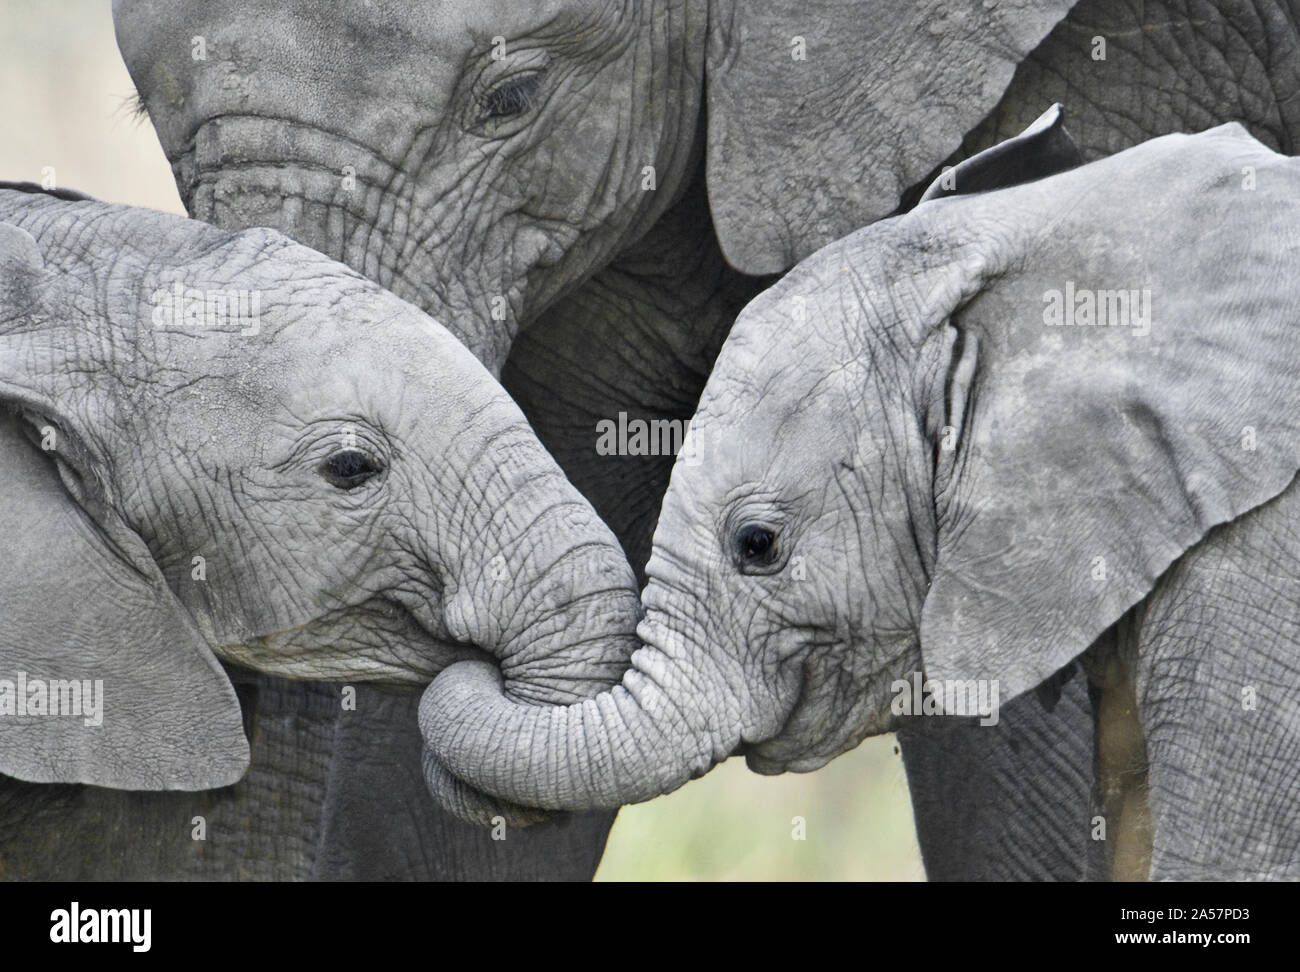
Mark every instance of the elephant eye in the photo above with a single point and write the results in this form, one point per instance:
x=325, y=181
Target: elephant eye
x=349, y=468
x=511, y=97
x=755, y=546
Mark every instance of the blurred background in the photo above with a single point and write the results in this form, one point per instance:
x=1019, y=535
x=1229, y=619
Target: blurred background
x=67, y=114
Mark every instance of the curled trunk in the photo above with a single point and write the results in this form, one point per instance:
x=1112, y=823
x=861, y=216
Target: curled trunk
x=538, y=580
x=645, y=736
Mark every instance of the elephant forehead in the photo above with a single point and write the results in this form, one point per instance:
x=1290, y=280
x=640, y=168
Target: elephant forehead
x=361, y=355
x=772, y=379
x=221, y=323
x=490, y=16
x=399, y=364
x=455, y=20
x=788, y=445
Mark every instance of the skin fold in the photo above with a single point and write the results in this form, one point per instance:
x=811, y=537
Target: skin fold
x=942, y=470
x=506, y=188
x=324, y=485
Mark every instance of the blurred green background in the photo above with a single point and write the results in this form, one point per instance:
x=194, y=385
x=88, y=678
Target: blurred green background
x=66, y=100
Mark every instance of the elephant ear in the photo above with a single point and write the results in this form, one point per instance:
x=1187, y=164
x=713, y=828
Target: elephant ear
x=104, y=678
x=821, y=113
x=1123, y=381
x=1044, y=148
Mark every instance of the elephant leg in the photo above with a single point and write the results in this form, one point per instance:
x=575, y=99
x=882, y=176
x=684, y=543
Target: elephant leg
x=1218, y=670
x=1125, y=815
x=1011, y=802
x=333, y=793
x=633, y=345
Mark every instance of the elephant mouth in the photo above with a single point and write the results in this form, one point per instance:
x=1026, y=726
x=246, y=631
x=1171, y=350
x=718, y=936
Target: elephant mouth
x=781, y=753
x=378, y=640
x=772, y=755
x=763, y=765
x=835, y=709
x=809, y=737
x=795, y=749
x=790, y=753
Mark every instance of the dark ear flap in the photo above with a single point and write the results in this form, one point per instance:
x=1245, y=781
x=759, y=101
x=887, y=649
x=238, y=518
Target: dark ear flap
x=1044, y=148
x=104, y=678
x=1135, y=343
x=822, y=113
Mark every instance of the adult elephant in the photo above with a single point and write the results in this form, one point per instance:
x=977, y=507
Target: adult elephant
x=222, y=445
x=559, y=184
x=1067, y=406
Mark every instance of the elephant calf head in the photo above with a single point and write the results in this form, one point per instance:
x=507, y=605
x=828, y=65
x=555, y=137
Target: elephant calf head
x=227, y=446
x=966, y=441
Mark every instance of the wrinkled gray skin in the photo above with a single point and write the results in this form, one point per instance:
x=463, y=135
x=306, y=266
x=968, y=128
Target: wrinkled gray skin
x=618, y=297
x=949, y=469
x=368, y=503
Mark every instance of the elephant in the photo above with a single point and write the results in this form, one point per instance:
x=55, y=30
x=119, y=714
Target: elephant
x=587, y=196
x=227, y=455
x=1048, y=424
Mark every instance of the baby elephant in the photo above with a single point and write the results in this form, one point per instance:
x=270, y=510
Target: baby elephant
x=980, y=440
x=219, y=445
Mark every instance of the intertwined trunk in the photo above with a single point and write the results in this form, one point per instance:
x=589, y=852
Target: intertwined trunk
x=669, y=720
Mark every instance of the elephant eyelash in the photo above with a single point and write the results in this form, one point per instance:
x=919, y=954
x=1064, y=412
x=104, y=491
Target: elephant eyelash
x=512, y=97
x=134, y=107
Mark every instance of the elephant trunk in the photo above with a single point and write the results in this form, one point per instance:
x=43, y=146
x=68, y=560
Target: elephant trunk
x=343, y=200
x=532, y=575
x=646, y=736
